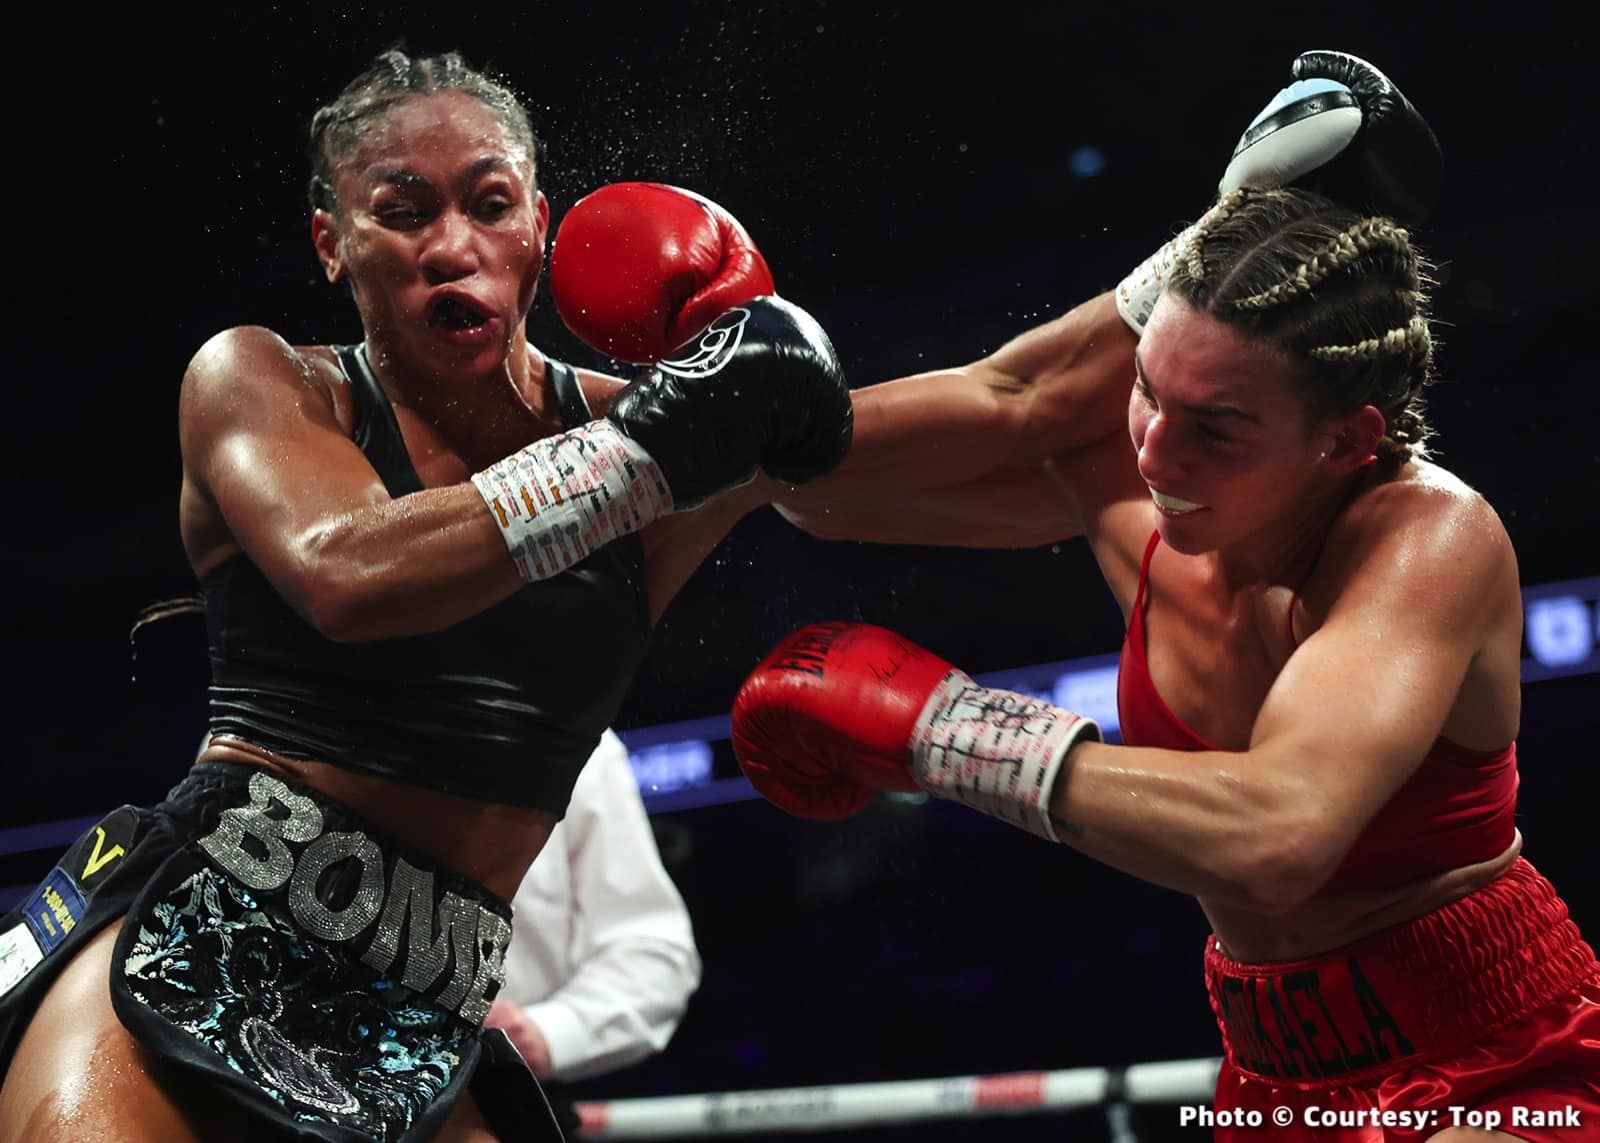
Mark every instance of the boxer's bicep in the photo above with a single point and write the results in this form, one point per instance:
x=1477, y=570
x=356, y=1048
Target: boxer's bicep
x=266, y=449
x=1362, y=700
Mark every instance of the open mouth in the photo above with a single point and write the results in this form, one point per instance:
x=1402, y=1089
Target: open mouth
x=457, y=313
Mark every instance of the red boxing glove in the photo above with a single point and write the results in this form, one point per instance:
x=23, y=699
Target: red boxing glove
x=637, y=269
x=825, y=720
x=838, y=711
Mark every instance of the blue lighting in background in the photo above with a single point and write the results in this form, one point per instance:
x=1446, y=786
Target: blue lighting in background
x=1560, y=630
x=1086, y=162
x=674, y=763
x=669, y=766
x=1091, y=692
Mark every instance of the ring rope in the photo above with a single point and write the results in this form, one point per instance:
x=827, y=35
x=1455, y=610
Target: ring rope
x=832, y=1107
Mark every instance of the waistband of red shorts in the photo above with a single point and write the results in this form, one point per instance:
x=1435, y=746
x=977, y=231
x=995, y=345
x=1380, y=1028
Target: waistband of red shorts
x=1425, y=989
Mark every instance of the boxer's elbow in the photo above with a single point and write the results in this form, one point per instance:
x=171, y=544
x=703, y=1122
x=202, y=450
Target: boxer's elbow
x=346, y=610
x=1277, y=877
x=1288, y=866
x=1280, y=850
x=337, y=594
x=336, y=617
x=334, y=609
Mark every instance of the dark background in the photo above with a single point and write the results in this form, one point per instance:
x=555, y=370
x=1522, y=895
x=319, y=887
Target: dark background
x=908, y=175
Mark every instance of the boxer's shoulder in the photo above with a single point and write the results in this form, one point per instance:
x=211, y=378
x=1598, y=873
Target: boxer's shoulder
x=1423, y=526
x=248, y=357
x=1420, y=500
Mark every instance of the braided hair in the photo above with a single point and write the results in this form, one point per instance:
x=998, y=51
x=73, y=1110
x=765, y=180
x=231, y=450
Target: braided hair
x=390, y=79
x=1346, y=295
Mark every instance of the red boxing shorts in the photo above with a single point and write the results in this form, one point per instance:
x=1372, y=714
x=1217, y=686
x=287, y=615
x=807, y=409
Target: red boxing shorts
x=1483, y=1013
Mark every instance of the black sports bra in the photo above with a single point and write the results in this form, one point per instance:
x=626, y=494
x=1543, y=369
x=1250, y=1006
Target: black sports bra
x=505, y=706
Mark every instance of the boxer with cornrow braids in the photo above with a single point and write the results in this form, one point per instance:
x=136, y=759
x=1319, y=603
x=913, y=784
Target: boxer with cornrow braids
x=1318, y=691
x=1346, y=295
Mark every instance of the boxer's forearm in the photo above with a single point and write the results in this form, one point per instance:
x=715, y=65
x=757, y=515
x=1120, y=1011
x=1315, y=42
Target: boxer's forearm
x=1214, y=824
x=1016, y=508
x=1054, y=389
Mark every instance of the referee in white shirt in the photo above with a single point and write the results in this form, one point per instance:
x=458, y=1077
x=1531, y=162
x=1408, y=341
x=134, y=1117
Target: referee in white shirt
x=602, y=959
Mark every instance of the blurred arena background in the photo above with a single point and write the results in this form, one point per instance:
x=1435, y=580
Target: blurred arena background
x=927, y=182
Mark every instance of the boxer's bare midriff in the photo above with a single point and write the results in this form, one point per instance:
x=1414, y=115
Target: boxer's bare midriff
x=1331, y=921
x=489, y=843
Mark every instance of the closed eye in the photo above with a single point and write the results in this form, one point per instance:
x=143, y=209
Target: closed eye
x=493, y=207
x=1202, y=423
x=401, y=218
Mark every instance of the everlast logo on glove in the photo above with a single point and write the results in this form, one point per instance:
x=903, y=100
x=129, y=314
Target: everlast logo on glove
x=716, y=347
x=288, y=855
x=807, y=650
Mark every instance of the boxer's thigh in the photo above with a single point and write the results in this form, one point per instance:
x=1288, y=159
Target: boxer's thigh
x=79, y=1074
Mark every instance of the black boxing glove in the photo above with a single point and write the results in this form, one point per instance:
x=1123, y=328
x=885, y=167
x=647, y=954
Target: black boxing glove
x=761, y=388
x=1343, y=129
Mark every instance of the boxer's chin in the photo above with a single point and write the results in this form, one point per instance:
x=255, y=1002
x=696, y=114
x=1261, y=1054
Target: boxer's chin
x=1188, y=533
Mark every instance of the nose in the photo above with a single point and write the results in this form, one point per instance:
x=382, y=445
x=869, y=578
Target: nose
x=1160, y=458
x=450, y=250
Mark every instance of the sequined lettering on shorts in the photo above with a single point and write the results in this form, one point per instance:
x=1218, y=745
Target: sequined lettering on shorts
x=454, y=947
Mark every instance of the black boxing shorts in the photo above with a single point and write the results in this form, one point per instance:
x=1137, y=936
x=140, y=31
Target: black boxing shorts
x=325, y=976
x=1484, y=1012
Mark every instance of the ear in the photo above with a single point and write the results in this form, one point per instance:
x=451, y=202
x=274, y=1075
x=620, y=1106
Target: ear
x=325, y=237
x=1354, y=439
x=541, y=218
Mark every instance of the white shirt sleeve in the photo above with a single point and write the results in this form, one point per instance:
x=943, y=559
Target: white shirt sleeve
x=602, y=954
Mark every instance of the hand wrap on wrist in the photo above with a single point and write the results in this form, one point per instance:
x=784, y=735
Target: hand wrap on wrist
x=999, y=752
x=561, y=498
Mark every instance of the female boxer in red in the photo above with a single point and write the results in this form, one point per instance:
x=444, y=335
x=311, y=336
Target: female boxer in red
x=1319, y=688
x=430, y=565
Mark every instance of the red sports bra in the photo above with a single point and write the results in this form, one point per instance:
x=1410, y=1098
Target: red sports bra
x=1456, y=809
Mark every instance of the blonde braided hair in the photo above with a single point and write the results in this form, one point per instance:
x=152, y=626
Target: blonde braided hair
x=1342, y=293
x=1366, y=235
x=1412, y=338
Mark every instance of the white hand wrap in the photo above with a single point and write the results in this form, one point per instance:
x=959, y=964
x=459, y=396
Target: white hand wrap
x=996, y=751
x=561, y=498
x=1137, y=293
